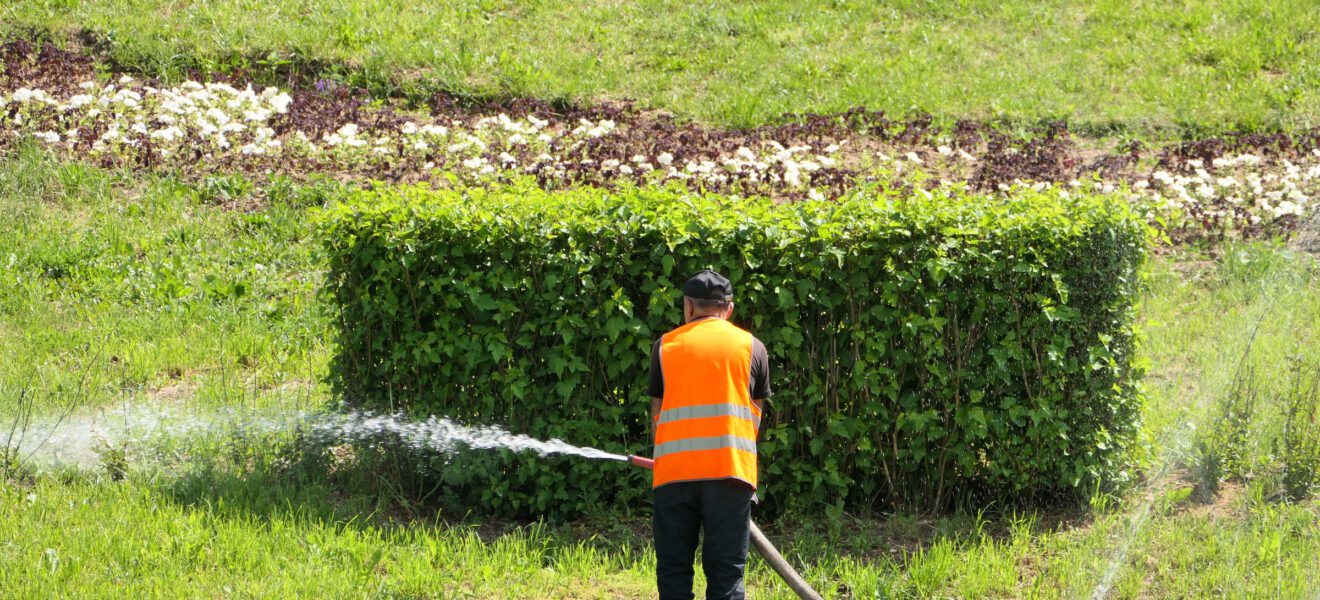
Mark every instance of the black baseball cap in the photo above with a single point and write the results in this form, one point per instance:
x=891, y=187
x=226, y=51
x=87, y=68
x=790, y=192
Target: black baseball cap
x=708, y=285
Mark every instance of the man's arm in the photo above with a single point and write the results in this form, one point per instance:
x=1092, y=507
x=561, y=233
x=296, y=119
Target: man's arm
x=655, y=416
x=760, y=384
x=655, y=387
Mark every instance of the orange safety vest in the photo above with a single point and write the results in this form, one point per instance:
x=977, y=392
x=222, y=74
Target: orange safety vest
x=707, y=424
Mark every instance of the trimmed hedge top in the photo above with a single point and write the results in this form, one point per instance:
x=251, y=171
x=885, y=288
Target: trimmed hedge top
x=924, y=348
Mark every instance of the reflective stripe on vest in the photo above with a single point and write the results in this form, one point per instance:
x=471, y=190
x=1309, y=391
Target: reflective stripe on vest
x=707, y=424
x=702, y=411
x=705, y=443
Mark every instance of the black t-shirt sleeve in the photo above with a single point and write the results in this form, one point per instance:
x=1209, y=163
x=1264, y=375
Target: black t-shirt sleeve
x=760, y=383
x=656, y=387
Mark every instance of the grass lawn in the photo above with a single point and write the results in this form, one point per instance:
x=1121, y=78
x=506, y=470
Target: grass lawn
x=166, y=295
x=1115, y=66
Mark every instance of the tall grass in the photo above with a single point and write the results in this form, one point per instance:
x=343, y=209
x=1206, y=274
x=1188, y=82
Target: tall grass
x=1249, y=418
x=1112, y=66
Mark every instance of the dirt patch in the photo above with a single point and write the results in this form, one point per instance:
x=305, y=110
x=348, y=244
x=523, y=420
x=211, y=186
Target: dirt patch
x=174, y=393
x=1223, y=505
x=1308, y=236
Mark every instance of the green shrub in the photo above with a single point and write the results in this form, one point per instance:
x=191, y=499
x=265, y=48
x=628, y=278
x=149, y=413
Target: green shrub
x=925, y=349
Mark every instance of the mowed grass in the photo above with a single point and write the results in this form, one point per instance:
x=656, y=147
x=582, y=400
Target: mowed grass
x=252, y=537
x=113, y=287
x=108, y=274
x=1113, y=66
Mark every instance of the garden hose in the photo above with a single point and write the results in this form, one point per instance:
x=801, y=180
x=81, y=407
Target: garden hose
x=763, y=547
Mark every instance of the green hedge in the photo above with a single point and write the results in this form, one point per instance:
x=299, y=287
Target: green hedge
x=925, y=350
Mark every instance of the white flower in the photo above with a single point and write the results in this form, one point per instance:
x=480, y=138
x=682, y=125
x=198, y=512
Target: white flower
x=791, y=175
x=281, y=102
x=815, y=194
x=665, y=158
x=945, y=150
x=912, y=156
x=167, y=134
x=50, y=137
x=79, y=100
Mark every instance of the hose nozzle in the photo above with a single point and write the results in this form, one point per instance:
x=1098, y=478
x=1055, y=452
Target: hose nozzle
x=641, y=461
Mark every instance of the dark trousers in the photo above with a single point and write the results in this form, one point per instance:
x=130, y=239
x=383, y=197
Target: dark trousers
x=722, y=508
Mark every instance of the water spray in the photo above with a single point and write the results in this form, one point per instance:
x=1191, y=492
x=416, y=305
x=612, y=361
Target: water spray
x=77, y=440
x=763, y=547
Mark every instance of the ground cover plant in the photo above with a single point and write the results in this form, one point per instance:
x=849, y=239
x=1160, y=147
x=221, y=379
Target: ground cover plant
x=1244, y=185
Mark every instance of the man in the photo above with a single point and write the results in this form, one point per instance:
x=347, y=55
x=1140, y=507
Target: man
x=709, y=380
